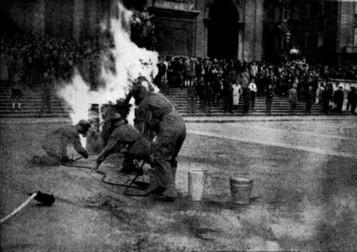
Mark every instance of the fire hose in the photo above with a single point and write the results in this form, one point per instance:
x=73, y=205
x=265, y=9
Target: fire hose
x=140, y=186
x=44, y=198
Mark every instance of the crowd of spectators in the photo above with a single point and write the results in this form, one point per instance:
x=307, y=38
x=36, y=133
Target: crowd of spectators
x=31, y=59
x=225, y=81
x=27, y=60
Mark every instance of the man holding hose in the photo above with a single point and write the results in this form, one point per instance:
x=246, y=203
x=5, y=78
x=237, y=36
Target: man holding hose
x=159, y=121
x=119, y=136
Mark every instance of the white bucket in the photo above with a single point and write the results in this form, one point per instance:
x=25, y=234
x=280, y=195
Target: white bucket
x=241, y=189
x=196, y=182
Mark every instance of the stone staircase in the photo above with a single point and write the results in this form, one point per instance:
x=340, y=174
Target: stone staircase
x=280, y=106
x=31, y=104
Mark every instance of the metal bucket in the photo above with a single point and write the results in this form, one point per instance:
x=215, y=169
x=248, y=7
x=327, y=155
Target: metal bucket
x=241, y=189
x=196, y=180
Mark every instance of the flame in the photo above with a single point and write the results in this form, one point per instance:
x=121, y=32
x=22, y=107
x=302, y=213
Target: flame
x=130, y=63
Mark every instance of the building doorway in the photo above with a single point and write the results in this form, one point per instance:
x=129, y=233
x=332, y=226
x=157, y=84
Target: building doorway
x=223, y=30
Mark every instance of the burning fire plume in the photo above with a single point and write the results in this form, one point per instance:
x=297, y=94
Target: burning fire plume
x=130, y=63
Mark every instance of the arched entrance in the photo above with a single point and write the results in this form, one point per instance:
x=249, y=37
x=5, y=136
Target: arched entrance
x=223, y=30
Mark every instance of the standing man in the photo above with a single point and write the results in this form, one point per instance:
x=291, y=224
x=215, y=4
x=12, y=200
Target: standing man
x=352, y=100
x=191, y=96
x=269, y=98
x=160, y=119
x=293, y=98
x=228, y=96
x=236, y=92
x=326, y=96
x=46, y=90
x=253, y=92
x=244, y=80
x=338, y=98
x=309, y=99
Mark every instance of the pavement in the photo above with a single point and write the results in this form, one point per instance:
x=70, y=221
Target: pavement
x=204, y=119
x=303, y=198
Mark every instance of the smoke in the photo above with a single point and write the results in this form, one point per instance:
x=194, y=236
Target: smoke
x=130, y=62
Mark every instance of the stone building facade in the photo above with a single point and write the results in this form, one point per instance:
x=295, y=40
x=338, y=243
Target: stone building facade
x=217, y=28
x=214, y=28
x=324, y=31
x=58, y=18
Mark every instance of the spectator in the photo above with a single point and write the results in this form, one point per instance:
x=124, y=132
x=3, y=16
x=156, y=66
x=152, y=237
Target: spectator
x=16, y=93
x=309, y=99
x=338, y=98
x=244, y=80
x=253, y=92
x=191, y=96
x=319, y=90
x=4, y=62
x=228, y=96
x=352, y=100
x=269, y=98
x=326, y=96
x=293, y=98
x=237, y=92
x=46, y=90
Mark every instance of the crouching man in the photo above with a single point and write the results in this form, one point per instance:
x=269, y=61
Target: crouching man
x=121, y=137
x=56, y=143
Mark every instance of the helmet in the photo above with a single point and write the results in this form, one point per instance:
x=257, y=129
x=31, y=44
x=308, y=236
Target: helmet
x=114, y=117
x=139, y=92
x=83, y=126
x=123, y=107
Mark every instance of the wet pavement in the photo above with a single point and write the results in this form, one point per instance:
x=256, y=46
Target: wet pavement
x=304, y=193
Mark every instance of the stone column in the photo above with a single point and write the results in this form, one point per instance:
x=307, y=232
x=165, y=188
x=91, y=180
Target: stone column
x=240, y=43
x=39, y=18
x=253, y=30
x=201, y=38
x=77, y=18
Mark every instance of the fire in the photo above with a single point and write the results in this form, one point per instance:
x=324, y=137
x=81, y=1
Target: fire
x=130, y=63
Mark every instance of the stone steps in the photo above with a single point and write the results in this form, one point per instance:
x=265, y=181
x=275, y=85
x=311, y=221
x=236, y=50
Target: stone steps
x=31, y=104
x=280, y=106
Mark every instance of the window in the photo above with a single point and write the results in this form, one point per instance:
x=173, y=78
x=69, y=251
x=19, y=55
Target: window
x=355, y=36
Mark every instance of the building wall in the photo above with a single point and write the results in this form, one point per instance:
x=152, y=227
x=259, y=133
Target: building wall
x=320, y=29
x=27, y=16
x=186, y=31
x=347, y=22
x=175, y=31
x=65, y=18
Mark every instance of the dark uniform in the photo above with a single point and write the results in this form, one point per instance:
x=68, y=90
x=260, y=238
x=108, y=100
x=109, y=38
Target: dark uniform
x=56, y=143
x=124, y=137
x=158, y=115
x=338, y=99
